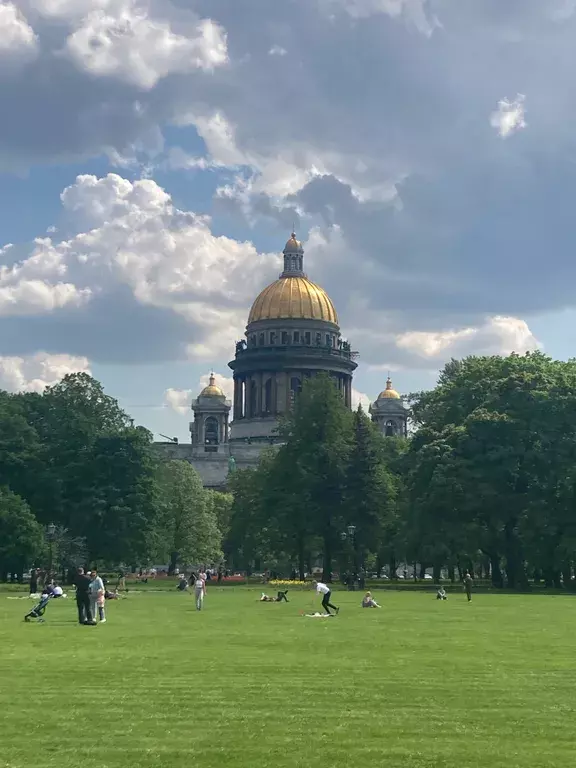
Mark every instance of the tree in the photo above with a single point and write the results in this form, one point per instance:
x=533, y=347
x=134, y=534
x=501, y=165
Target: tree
x=188, y=529
x=502, y=432
x=21, y=537
x=318, y=444
x=369, y=491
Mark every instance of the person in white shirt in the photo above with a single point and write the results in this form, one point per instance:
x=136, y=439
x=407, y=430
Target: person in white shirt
x=325, y=591
x=199, y=590
x=96, y=589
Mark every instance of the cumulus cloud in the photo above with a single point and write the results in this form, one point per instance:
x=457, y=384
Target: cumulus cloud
x=132, y=47
x=509, y=117
x=136, y=243
x=497, y=336
x=178, y=400
x=360, y=398
x=18, y=41
x=36, y=372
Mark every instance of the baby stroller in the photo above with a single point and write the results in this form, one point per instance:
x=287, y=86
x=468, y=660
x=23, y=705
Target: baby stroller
x=38, y=611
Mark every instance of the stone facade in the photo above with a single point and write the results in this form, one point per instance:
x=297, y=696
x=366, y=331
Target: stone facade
x=292, y=334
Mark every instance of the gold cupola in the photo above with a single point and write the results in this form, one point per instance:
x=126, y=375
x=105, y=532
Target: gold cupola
x=212, y=390
x=389, y=393
x=293, y=296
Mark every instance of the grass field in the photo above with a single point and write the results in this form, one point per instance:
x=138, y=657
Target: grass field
x=418, y=684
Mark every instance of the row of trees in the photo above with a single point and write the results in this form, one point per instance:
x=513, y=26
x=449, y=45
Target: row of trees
x=72, y=463
x=486, y=482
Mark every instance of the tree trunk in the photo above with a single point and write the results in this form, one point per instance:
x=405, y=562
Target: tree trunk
x=173, y=563
x=557, y=580
x=437, y=574
x=537, y=575
x=496, y=572
x=515, y=570
x=451, y=574
x=301, y=558
x=422, y=571
x=327, y=564
x=379, y=565
x=567, y=575
x=392, y=566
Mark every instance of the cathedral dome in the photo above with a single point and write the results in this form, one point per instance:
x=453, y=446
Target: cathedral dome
x=212, y=390
x=293, y=298
x=389, y=393
x=293, y=245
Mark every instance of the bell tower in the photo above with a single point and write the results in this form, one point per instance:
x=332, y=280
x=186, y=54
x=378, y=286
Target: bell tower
x=389, y=412
x=209, y=430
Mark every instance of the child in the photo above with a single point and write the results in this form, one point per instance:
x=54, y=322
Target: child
x=441, y=594
x=100, y=602
x=369, y=602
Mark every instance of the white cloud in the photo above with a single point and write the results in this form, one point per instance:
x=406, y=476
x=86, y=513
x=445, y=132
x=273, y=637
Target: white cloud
x=509, y=117
x=36, y=372
x=498, y=336
x=18, y=40
x=135, y=238
x=360, y=398
x=413, y=11
x=277, y=50
x=140, y=50
x=178, y=400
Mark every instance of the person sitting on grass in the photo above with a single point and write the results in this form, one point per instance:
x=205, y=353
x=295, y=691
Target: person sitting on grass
x=369, y=602
x=281, y=596
x=441, y=594
x=182, y=585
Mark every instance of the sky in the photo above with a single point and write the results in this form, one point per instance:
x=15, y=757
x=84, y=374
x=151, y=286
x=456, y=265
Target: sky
x=155, y=155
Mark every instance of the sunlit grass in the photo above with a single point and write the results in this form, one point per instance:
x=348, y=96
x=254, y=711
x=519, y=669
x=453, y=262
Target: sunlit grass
x=417, y=684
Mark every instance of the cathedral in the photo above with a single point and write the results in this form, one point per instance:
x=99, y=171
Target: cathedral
x=292, y=334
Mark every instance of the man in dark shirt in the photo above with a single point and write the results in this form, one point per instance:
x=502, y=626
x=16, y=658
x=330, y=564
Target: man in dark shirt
x=82, y=583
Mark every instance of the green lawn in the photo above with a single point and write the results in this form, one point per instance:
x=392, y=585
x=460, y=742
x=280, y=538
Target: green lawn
x=246, y=685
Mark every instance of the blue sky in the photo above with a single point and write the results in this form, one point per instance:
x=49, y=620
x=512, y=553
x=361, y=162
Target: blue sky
x=154, y=154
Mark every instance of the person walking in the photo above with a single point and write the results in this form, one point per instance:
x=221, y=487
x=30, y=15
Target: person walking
x=34, y=581
x=82, y=584
x=325, y=591
x=468, y=585
x=199, y=591
x=96, y=589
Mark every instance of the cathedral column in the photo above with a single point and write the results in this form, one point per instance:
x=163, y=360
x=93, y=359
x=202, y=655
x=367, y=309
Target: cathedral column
x=259, y=394
x=237, y=398
x=349, y=391
x=246, y=397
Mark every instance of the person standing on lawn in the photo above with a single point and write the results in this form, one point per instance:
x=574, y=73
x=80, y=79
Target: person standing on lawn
x=96, y=589
x=82, y=584
x=468, y=585
x=325, y=591
x=199, y=590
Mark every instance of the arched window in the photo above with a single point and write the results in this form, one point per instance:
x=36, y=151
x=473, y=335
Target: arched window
x=211, y=435
x=390, y=428
x=268, y=389
x=295, y=387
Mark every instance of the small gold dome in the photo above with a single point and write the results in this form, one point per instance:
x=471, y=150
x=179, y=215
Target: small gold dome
x=293, y=297
x=212, y=390
x=292, y=244
x=389, y=393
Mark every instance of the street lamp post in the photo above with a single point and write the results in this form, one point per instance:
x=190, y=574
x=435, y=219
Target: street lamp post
x=352, y=534
x=50, y=531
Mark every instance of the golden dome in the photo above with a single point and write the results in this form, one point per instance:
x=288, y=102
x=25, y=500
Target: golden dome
x=389, y=393
x=293, y=297
x=212, y=390
x=292, y=244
